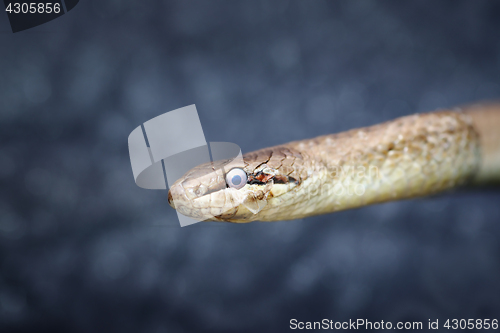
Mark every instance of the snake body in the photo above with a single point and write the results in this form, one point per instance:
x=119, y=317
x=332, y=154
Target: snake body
x=408, y=157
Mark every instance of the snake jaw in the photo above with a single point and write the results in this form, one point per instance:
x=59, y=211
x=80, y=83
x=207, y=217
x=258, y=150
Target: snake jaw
x=255, y=201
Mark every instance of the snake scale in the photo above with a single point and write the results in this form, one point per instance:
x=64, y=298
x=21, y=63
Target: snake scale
x=408, y=157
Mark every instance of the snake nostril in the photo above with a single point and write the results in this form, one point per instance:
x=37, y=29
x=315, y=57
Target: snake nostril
x=199, y=192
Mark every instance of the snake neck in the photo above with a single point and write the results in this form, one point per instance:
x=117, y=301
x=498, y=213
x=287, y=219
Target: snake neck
x=408, y=157
x=486, y=121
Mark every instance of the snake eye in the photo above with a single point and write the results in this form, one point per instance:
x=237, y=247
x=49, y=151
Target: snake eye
x=236, y=178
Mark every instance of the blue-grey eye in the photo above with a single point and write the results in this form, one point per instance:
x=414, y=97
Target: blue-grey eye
x=236, y=178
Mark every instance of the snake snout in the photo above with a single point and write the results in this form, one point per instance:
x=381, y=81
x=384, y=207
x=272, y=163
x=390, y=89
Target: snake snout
x=177, y=196
x=171, y=200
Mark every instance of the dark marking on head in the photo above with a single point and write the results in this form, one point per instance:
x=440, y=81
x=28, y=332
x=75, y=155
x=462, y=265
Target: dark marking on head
x=292, y=180
x=261, y=178
x=281, y=179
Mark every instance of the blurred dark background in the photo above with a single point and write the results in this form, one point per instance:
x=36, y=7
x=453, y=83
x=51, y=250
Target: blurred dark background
x=83, y=249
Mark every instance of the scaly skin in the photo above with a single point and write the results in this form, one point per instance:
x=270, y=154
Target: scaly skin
x=408, y=157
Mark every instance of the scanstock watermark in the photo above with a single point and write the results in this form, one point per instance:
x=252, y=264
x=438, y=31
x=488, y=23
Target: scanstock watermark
x=348, y=180
x=28, y=14
x=358, y=324
x=365, y=324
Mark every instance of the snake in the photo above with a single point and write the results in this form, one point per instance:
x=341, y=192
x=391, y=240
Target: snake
x=412, y=156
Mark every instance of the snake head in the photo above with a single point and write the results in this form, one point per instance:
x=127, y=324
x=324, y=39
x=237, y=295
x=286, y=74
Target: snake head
x=228, y=191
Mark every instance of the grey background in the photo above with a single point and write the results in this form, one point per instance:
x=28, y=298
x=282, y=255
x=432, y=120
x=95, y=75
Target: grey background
x=82, y=248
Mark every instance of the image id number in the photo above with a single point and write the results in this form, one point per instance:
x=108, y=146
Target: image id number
x=471, y=324
x=40, y=8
